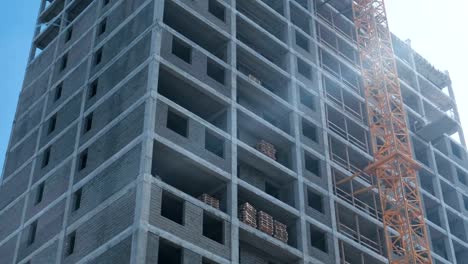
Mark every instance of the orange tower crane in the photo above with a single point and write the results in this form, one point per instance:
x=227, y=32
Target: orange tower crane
x=394, y=168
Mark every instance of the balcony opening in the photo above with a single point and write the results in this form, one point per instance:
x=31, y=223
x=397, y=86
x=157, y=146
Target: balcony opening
x=213, y=228
x=172, y=208
x=173, y=167
x=177, y=123
x=191, y=26
x=181, y=91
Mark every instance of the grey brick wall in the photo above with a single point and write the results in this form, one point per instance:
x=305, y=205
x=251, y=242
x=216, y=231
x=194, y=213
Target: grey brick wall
x=49, y=224
x=20, y=154
x=45, y=256
x=14, y=187
x=103, y=226
x=10, y=219
x=112, y=179
x=118, y=254
x=54, y=186
x=113, y=141
x=7, y=250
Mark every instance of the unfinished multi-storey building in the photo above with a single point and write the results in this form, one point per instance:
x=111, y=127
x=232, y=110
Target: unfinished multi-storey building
x=214, y=131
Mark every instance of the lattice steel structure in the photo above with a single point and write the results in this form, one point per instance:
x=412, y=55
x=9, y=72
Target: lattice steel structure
x=394, y=167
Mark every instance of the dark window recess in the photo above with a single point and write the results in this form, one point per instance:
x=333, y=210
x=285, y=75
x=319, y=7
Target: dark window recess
x=77, y=199
x=102, y=27
x=302, y=41
x=213, y=228
x=315, y=200
x=177, y=123
x=465, y=202
x=304, y=69
x=32, y=233
x=461, y=176
x=88, y=124
x=71, y=239
x=215, y=71
x=52, y=124
x=217, y=9
x=69, y=34
x=58, y=92
x=307, y=99
x=83, y=161
x=105, y=2
x=214, y=144
x=456, y=150
x=40, y=193
x=312, y=165
x=272, y=190
x=309, y=131
x=46, y=157
x=168, y=253
x=318, y=239
x=181, y=50
x=208, y=261
x=93, y=88
x=98, y=57
x=64, y=62
x=172, y=208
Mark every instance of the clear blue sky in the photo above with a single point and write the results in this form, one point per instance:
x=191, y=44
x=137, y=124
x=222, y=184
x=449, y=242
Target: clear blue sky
x=16, y=29
x=436, y=30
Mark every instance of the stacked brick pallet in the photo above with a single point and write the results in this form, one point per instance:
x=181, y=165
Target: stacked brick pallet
x=209, y=200
x=281, y=231
x=263, y=221
x=248, y=215
x=267, y=149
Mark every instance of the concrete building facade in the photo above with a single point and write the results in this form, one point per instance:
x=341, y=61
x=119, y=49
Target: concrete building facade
x=131, y=110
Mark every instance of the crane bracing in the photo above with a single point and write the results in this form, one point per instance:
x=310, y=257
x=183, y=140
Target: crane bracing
x=394, y=168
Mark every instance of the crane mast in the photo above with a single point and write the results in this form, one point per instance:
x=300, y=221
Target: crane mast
x=394, y=168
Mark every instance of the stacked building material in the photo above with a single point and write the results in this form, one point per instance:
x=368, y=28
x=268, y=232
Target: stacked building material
x=265, y=222
x=255, y=79
x=248, y=215
x=209, y=200
x=281, y=231
x=267, y=148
